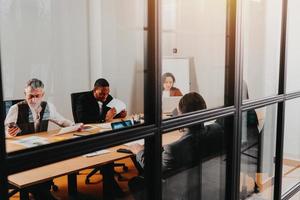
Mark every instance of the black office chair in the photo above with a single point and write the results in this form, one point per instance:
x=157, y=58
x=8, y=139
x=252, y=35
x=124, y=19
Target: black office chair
x=74, y=99
x=6, y=105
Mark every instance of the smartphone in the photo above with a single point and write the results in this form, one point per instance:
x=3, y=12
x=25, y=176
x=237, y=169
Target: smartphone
x=12, y=125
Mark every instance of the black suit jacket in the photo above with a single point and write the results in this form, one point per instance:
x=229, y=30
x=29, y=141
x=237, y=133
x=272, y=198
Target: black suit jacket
x=197, y=144
x=87, y=108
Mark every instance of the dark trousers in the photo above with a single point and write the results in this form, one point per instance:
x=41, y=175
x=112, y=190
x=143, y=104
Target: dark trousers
x=137, y=187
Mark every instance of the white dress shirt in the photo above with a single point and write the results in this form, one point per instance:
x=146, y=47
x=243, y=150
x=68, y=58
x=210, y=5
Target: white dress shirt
x=54, y=116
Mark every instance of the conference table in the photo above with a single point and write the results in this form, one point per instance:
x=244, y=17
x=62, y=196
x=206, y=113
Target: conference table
x=71, y=166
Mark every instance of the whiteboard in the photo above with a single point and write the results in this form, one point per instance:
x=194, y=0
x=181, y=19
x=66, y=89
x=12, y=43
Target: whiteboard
x=180, y=68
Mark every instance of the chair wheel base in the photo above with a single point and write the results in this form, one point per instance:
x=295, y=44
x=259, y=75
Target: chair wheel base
x=125, y=168
x=55, y=188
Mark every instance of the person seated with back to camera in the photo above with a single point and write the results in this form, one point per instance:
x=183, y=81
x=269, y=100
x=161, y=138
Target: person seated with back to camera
x=168, y=90
x=92, y=106
x=197, y=142
x=30, y=116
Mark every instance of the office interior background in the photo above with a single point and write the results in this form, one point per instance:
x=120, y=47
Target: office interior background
x=240, y=55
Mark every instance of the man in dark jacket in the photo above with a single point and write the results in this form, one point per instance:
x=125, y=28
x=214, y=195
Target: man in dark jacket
x=92, y=106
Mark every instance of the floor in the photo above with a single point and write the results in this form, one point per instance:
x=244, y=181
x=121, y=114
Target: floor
x=92, y=191
x=291, y=178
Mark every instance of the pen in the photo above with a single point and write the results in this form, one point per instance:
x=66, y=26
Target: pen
x=78, y=134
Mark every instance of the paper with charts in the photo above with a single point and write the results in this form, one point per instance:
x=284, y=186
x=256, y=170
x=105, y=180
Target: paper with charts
x=117, y=104
x=31, y=141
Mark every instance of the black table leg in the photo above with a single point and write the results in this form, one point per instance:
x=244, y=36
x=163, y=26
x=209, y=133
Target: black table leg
x=111, y=189
x=72, y=184
x=24, y=194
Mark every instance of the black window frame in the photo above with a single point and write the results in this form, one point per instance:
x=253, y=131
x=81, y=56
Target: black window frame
x=155, y=126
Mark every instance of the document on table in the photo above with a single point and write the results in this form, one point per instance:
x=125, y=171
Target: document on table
x=140, y=142
x=69, y=129
x=96, y=153
x=104, y=125
x=117, y=104
x=32, y=141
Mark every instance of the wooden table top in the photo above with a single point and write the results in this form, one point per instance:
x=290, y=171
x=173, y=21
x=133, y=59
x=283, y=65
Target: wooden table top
x=48, y=172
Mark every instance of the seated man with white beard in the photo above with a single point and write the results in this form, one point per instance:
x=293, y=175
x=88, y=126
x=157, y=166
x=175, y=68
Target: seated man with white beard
x=30, y=116
x=33, y=114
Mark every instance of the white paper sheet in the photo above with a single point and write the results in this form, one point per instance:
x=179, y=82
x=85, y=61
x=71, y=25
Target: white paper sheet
x=31, y=141
x=96, y=153
x=68, y=129
x=104, y=125
x=141, y=142
x=117, y=104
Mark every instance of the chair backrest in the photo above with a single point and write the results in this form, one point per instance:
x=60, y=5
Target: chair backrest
x=8, y=103
x=74, y=99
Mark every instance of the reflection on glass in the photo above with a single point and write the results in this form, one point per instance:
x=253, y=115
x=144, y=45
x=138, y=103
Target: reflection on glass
x=114, y=167
x=291, y=149
x=261, y=46
x=293, y=41
x=193, y=49
x=193, y=164
x=69, y=46
x=257, y=153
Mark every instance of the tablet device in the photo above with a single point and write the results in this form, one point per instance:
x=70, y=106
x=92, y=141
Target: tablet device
x=121, y=124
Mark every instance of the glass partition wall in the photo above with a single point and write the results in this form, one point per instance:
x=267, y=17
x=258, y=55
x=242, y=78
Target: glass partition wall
x=208, y=88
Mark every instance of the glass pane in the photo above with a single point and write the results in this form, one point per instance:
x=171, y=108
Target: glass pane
x=291, y=149
x=194, y=162
x=115, y=171
x=193, y=51
x=261, y=26
x=293, y=41
x=69, y=45
x=258, y=152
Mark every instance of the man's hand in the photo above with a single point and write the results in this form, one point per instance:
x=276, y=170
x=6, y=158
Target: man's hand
x=123, y=114
x=81, y=127
x=135, y=148
x=13, y=131
x=110, y=115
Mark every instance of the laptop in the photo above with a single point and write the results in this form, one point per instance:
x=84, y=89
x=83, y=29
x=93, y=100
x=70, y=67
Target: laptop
x=121, y=124
x=169, y=104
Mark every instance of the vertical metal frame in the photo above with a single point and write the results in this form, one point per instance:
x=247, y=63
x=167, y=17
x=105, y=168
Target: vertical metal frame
x=233, y=96
x=152, y=104
x=3, y=165
x=231, y=88
x=281, y=105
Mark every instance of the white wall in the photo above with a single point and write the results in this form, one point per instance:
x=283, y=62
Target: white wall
x=197, y=29
x=292, y=135
x=293, y=46
x=47, y=40
x=292, y=130
x=123, y=50
x=69, y=44
x=261, y=46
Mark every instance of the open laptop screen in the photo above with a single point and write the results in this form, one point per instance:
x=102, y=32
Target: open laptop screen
x=169, y=104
